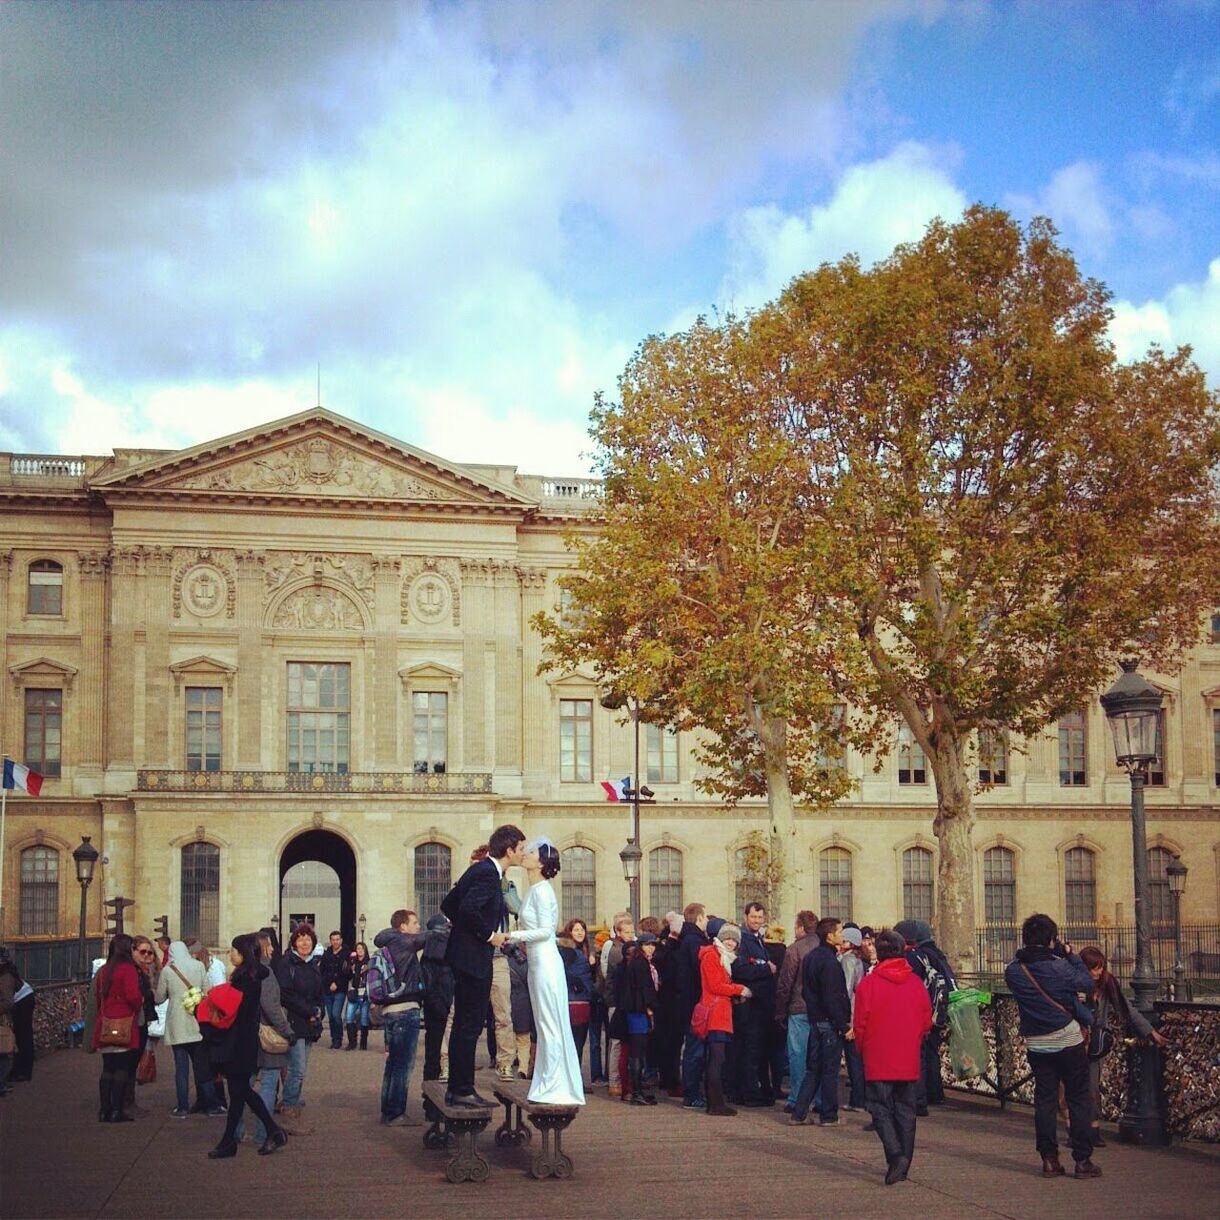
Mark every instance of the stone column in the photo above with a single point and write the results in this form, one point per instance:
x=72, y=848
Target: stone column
x=533, y=716
x=250, y=597
x=158, y=566
x=120, y=746
x=477, y=609
x=90, y=696
x=507, y=628
x=386, y=613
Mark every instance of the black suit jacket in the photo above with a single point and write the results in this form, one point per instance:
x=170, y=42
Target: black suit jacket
x=475, y=907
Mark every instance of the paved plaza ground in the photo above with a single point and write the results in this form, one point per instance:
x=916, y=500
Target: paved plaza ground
x=57, y=1160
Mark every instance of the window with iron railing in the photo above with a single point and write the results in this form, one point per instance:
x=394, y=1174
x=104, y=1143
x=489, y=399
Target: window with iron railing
x=1080, y=886
x=578, y=884
x=40, y=891
x=430, y=727
x=433, y=878
x=200, y=905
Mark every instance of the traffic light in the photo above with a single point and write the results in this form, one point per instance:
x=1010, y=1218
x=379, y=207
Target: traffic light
x=114, y=917
x=162, y=922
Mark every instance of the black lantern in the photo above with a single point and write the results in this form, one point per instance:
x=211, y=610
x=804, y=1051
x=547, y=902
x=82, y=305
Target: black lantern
x=1175, y=874
x=631, y=855
x=86, y=857
x=1133, y=708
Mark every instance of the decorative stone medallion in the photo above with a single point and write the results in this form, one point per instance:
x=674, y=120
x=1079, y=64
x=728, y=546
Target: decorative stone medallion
x=430, y=598
x=204, y=591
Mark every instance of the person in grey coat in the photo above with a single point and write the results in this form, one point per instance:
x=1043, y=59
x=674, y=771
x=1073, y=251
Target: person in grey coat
x=271, y=1012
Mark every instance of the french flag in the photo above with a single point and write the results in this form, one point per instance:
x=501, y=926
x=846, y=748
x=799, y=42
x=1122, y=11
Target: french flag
x=616, y=792
x=16, y=775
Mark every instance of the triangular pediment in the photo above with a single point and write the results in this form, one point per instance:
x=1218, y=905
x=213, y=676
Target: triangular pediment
x=313, y=455
x=203, y=669
x=42, y=669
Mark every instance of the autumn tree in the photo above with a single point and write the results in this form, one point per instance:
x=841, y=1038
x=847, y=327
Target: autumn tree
x=700, y=595
x=1013, y=509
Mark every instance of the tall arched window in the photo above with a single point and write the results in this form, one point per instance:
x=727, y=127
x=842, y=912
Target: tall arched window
x=746, y=885
x=664, y=880
x=834, y=883
x=1160, y=900
x=999, y=886
x=433, y=878
x=201, y=893
x=917, y=898
x=46, y=588
x=578, y=884
x=1080, y=886
x=40, y=891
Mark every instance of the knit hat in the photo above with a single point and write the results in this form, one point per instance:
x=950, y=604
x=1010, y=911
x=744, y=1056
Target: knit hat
x=675, y=921
x=852, y=937
x=646, y=938
x=714, y=924
x=728, y=931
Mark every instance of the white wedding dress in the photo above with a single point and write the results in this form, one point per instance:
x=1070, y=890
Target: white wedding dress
x=557, y=1080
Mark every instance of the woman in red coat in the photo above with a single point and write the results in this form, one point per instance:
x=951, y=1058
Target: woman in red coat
x=119, y=997
x=719, y=991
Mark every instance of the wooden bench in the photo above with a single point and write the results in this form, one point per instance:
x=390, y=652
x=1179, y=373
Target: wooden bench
x=550, y=1161
x=458, y=1125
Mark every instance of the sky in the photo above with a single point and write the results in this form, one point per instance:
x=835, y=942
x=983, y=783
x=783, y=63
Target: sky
x=470, y=215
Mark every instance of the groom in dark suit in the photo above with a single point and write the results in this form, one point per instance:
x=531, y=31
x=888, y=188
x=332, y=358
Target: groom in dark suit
x=475, y=907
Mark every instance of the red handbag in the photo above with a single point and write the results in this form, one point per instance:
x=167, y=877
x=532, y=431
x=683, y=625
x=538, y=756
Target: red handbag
x=219, y=1007
x=700, y=1019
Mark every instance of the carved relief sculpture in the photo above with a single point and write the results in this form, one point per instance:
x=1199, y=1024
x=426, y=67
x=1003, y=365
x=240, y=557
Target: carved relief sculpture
x=431, y=591
x=318, y=609
x=286, y=567
x=203, y=584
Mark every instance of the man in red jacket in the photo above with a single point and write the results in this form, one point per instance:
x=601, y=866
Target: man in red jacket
x=892, y=1015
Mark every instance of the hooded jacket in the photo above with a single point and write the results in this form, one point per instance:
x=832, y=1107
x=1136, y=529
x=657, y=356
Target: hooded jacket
x=1060, y=977
x=892, y=1015
x=181, y=1028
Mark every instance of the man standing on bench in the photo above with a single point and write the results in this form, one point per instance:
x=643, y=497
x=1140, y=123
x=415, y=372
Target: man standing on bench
x=475, y=907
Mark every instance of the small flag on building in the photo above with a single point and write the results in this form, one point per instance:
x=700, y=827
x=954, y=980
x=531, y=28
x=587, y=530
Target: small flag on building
x=18, y=776
x=617, y=792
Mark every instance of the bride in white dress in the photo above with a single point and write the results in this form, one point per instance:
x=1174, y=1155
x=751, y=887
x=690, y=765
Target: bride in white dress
x=557, y=1080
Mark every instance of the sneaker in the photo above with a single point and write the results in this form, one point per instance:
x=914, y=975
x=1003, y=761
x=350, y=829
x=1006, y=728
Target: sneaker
x=828, y=1122
x=853, y=1109
x=504, y=1073
x=178, y=1112
x=217, y=1112
x=697, y=1103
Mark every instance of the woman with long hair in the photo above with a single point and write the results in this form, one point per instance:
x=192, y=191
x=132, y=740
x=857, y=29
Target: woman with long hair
x=579, y=961
x=1113, y=1020
x=235, y=1050
x=356, y=1013
x=119, y=1001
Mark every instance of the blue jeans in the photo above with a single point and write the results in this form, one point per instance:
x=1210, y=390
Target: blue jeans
x=357, y=1013
x=265, y=1082
x=298, y=1061
x=335, y=1000
x=401, y=1035
x=694, y=1060
x=186, y=1060
x=798, y=1046
x=597, y=1027
x=822, y=1060
x=855, y=1076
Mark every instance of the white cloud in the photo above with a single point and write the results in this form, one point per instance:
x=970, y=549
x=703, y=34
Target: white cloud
x=874, y=207
x=1076, y=200
x=1187, y=314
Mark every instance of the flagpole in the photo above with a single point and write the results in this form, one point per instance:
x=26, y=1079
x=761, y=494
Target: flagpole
x=3, y=812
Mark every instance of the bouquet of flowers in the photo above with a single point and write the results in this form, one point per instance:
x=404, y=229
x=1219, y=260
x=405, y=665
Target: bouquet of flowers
x=191, y=998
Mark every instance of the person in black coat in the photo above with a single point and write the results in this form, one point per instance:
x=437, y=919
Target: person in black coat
x=637, y=1001
x=475, y=907
x=234, y=1051
x=688, y=987
x=752, y=1020
x=438, y=993
x=824, y=986
x=303, y=999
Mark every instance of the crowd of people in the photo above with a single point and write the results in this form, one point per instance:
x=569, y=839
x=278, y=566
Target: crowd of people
x=705, y=1010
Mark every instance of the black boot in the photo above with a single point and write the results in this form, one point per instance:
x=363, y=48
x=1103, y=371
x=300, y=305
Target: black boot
x=275, y=1139
x=103, y=1094
x=364, y=1038
x=351, y=1037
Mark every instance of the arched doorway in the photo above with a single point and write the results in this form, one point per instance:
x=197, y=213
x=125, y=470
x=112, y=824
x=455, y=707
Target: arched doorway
x=310, y=890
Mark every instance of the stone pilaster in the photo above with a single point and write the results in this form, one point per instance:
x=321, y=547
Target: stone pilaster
x=125, y=568
x=477, y=609
x=508, y=677
x=533, y=714
x=158, y=564
x=90, y=712
x=250, y=598
x=386, y=612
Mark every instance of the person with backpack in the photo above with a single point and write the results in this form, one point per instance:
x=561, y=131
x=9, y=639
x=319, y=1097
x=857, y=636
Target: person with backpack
x=396, y=985
x=438, y=998
x=932, y=968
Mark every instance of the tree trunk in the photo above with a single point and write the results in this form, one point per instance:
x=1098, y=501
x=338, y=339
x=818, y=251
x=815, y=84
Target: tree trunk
x=955, y=927
x=781, y=812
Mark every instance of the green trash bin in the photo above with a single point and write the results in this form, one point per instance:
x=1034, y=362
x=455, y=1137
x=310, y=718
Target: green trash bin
x=968, y=1053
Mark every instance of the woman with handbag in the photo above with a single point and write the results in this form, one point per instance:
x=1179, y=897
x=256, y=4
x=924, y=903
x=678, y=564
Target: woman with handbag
x=275, y=1039
x=181, y=974
x=236, y=1049
x=116, y=1033
x=1113, y=1019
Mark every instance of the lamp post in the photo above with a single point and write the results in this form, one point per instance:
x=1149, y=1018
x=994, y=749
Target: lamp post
x=631, y=855
x=86, y=857
x=362, y=923
x=1133, y=706
x=1175, y=871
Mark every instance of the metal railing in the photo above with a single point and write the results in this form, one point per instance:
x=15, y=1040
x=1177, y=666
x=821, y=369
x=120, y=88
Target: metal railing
x=1200, y=947
x=449, y=783
x=47, y=961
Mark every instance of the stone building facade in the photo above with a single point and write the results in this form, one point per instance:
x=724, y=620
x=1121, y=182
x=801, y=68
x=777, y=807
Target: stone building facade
x=310, y=642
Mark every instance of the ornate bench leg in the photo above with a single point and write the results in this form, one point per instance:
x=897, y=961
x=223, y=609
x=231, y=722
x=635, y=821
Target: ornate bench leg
x=550, y=1161
x=467, y=1164
x=438, y=1134
x=522, y=1134
x=505, y=1134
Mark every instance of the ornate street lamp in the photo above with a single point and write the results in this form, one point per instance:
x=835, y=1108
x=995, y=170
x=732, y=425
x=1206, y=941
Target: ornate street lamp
x=1175, y=871
x=631, y=855
x=363, y=923
x=86, y=858
x=1133, y=707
